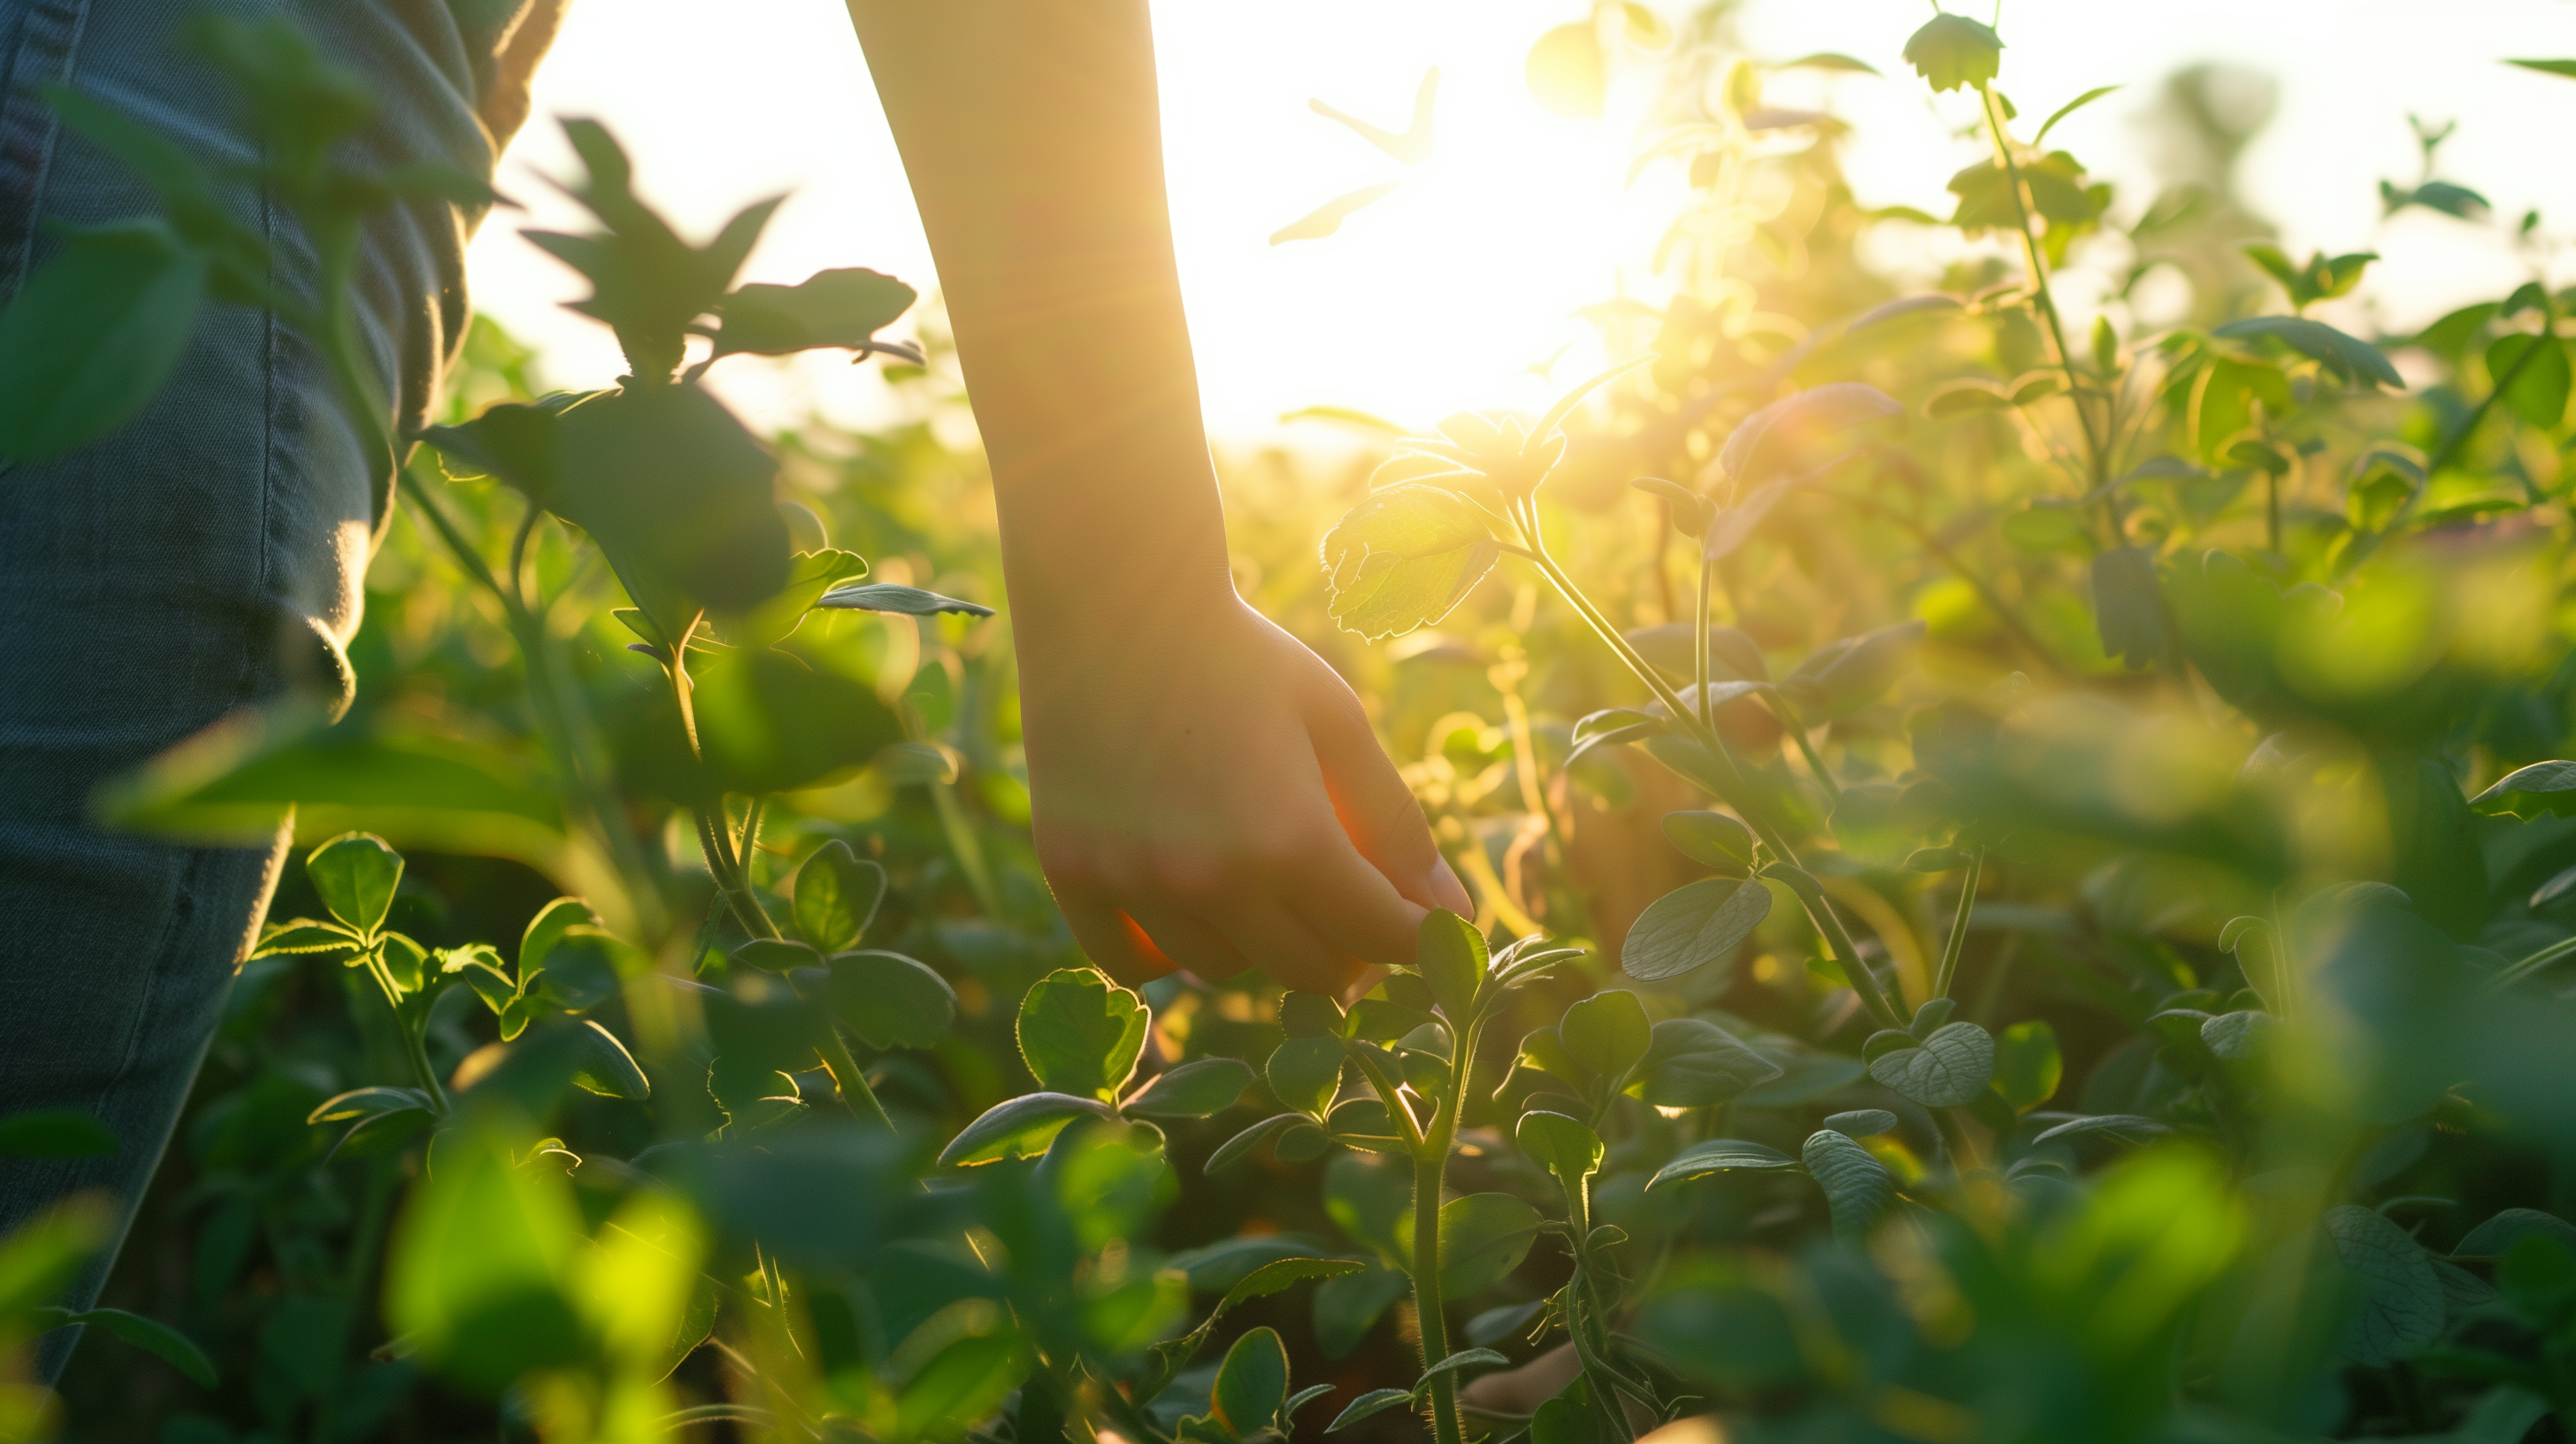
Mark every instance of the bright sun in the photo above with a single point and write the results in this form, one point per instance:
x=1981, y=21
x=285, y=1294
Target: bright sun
x=1447, y=292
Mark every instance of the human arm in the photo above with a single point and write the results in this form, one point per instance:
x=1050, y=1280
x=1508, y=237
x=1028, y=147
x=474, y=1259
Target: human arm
x=1193, y=768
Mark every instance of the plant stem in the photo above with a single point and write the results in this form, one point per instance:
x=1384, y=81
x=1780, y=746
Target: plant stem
x=1699, y=648
x=1430, y=1167
x=855, y=1092
x=1954, y=1140
x=1959, y=926
x=2046, y=298
x=1863, y=981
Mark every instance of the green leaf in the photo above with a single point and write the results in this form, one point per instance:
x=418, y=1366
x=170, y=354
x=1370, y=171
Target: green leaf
x=1567, y=73
x=809, y=576
x=1252, y=1382
x=1949, y=1070
x=2496, y=1237
x=843, y=308
x=606, y=1067
x=2538, y=393
x=1241, y=1145
x=2241, y=1036
x=356, y=874
x=1404, y=557
x=1857, y=1186
x=2399, y=1305
x=1463, y=1359
x=2527, y=792
x=1280, y=1275
x=305, y=935
x=1571, y=1416
x=1966, y=396
x=775, y=955
x=1483, y=1236
x=2349, y=357
x=1327, y=218
x=1606, y=1034
x=1862, y=1122
x=1017, y=1128
x=1369, y=1406
x=150, y=1335
x=1081, y=1033
x=1720, y=1155
x=1305, y=1073
x=890, y=1000
x=890, y=597
x=1845, y=676
x=360, y=1103
x=479, y=1265
x=2069, y=108
x=969, y=1379
x=680, y=497
x=55, y=1133
x=1692, y=926
x=2124, y=1127
x=1713, y=840
x=1192, y=1090
x=1953, y=51
x=2028, y=1066
x=837, y=893
x=1310, y=1015
x=1451, y=956
x=1694, y=1063
x=2127, y=605
x=1566, y=1147
x=94, y=333
x=1786, y=435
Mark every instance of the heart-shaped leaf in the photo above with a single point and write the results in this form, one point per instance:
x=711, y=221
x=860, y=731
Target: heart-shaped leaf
x=1305, y=1073
x=1451, y=956
x=1252, y=1382
x=837, y=893
x=1606, y=1034
x=1080, y=1033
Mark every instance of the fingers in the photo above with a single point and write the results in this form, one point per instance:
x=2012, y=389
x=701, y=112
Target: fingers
x=1377, y=810
x=1354, y=906
x=1186, y=940
x=1293, y=953
x=1111, y=939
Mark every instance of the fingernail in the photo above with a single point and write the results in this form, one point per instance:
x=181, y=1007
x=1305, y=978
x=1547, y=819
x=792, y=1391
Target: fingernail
x=1449, y=892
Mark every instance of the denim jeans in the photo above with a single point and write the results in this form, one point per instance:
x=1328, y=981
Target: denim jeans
x=206, y=557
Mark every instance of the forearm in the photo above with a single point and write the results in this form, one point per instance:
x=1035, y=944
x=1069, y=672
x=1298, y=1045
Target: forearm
x=1031, y=131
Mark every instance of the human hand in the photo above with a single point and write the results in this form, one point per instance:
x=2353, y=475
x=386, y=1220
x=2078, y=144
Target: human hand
x=1207, y=794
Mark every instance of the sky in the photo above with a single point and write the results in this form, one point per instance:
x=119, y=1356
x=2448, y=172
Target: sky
x=1445, y=294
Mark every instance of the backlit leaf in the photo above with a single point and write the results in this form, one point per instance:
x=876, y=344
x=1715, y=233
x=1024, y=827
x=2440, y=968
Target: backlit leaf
x=1404, y=557
x=1953, y=51
x=1692, y=926
x=888, y=999
x=837, y=893
x=1017, y=1128
x=2527, y=792
x=1080, y=1033
x=355, y=874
